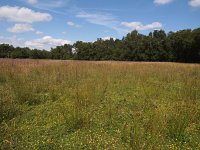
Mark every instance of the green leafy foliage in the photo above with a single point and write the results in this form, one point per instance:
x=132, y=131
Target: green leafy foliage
x=180, y=46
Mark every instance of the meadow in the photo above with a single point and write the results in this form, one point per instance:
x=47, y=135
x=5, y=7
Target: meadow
x=72, y=105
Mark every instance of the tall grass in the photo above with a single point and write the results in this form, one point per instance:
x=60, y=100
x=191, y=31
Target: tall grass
x=99, y=105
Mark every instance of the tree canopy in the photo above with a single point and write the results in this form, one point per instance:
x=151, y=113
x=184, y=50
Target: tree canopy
x=180, y=46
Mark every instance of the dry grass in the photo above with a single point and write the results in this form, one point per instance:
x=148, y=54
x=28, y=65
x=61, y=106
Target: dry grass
x=49, y=104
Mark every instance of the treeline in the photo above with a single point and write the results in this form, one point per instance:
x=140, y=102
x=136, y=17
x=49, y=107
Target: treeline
x=180, y=46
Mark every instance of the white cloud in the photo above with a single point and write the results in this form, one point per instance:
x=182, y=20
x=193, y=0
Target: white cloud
x=69, y=23
x=23, y=14
x=103, y=19
x=98, y=18
x=45, y=4
x=39, y=32
x=12, y=40
x=139, y=26
x=20, y=28
x=108, y=38
x=32, y=1
x=194, y=3
x=46, y=42
x=162, y=2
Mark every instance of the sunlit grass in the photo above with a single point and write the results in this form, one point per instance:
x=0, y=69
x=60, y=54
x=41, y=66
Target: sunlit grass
x=99, y=105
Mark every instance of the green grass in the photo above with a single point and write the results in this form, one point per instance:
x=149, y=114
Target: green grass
x=99, y=105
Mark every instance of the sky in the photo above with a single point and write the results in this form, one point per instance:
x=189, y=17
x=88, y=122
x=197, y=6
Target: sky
x=44, y=24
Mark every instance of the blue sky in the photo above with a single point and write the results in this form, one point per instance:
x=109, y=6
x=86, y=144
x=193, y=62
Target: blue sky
x=47, y=23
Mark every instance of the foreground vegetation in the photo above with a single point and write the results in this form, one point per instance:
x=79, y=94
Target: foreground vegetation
x=99, y=105
x=180, y=46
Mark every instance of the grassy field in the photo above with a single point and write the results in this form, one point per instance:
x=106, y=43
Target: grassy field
x=66, y=105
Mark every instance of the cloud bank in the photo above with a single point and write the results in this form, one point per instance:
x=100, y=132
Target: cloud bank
x=194, y=3
x=46, y=42
x=25, y=15
x=70, y=23
x=32, y=1
x=140, y=26
x=162, y=2
x=20, y=28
